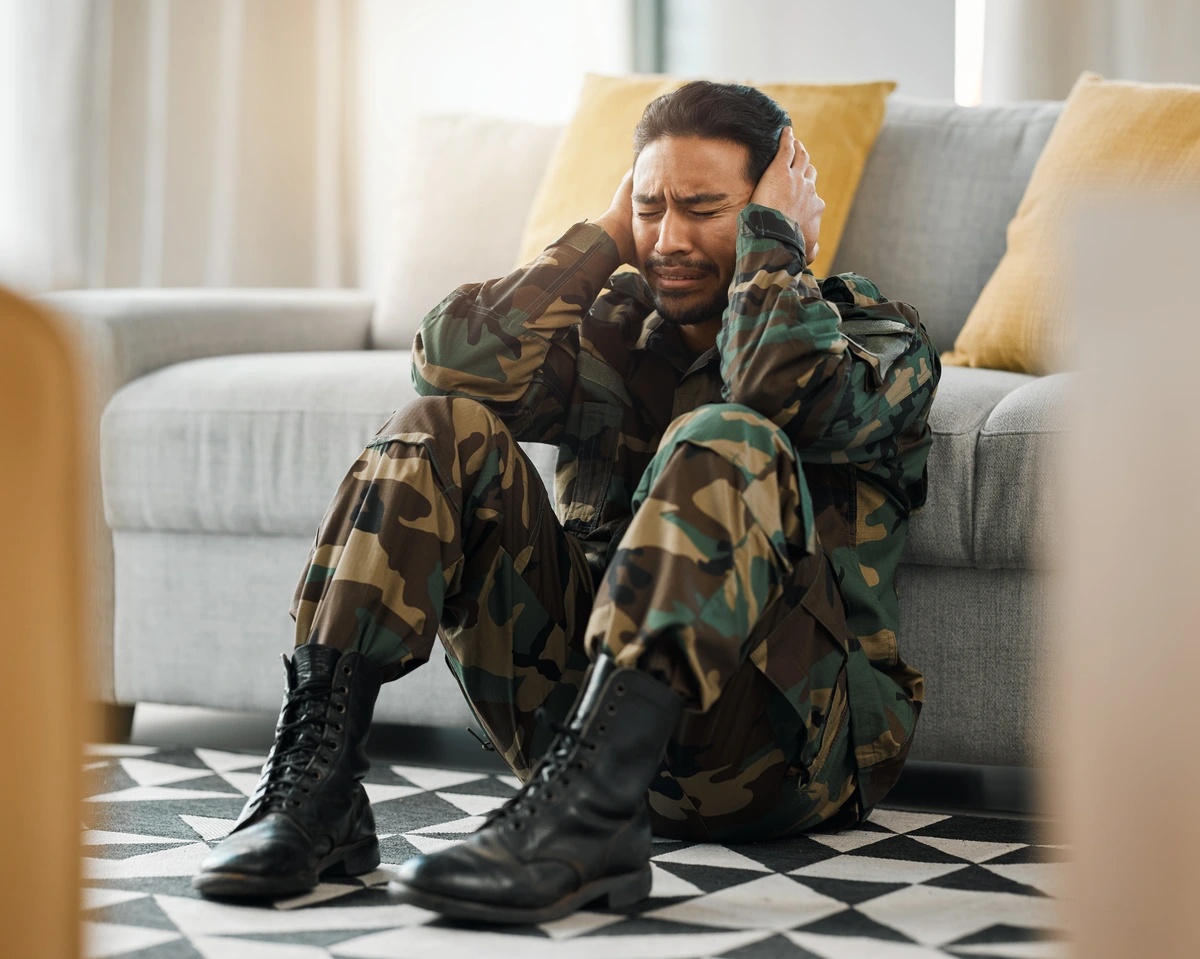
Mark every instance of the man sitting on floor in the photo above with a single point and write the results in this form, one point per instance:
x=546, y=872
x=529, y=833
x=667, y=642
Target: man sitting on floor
x=700, y=641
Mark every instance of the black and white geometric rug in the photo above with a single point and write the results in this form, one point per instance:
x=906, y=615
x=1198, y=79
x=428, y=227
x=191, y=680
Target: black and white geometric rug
x=905, y=885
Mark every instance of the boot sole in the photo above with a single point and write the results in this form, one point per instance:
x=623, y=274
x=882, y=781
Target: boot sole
x=354, y=860
x=621, y=892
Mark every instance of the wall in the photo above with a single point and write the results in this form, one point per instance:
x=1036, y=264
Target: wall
x=910, y=41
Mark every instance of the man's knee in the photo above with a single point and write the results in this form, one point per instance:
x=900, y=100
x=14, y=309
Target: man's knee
x=734, y=432
x=439, y=418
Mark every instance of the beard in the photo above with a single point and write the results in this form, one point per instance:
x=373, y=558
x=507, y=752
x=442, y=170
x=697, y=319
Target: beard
x=674, y=307
x=681, y=307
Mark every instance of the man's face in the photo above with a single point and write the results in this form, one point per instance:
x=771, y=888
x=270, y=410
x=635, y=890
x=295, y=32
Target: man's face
x=687, y=194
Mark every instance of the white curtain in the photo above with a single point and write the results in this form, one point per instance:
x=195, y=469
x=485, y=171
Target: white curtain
x=253, y=142
x=1035, y=49
x=44, y=57
x=177, y=143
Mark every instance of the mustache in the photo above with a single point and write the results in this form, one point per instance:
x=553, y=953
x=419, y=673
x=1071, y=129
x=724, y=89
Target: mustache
x=674, y=262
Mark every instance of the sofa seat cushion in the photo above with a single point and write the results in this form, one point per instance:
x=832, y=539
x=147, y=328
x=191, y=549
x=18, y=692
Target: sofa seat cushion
x=256, y=443
x=259, y=443
x=943, y=533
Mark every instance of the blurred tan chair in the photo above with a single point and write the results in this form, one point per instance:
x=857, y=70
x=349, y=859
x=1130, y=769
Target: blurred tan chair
x=43, y=461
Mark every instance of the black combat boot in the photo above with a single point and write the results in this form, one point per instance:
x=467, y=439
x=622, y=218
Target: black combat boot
x=310, y=813
x=578, y=831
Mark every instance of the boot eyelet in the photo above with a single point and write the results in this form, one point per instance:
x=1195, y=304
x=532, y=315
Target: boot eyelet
x=601, y=727
x=340, y=707
x=620, y=689
x=346, y=671
x=611, y=709
x=344, y=690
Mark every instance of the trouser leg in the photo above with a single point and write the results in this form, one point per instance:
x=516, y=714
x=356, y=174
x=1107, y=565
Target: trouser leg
x=443, y=525
x=719, y=585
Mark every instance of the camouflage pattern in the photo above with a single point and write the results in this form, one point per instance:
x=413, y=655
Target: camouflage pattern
x=838, y=377
x=719, y=586
x=442, y=522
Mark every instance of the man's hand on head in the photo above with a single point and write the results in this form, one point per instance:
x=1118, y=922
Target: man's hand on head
x=617, y=220
x=789, y=185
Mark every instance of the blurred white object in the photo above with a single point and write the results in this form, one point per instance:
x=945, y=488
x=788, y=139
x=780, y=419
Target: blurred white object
x=1123, y=684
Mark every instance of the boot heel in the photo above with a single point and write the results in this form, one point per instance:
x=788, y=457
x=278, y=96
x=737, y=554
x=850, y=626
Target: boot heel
x=361, y=859
x=631, y=891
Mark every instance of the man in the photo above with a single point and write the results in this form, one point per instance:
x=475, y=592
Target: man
x=702, y=641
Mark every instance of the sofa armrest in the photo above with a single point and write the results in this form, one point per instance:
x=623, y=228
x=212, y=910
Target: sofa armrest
x=129, y=333
x=125, y=334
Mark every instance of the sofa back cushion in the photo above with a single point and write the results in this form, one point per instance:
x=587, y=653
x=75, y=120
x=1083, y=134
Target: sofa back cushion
x=463, y=190
x=929, y=220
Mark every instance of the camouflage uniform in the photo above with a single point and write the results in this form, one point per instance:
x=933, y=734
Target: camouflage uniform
x=732, y=521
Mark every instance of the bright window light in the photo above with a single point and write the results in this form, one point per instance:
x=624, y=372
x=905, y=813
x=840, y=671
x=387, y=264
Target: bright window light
x=968, y=51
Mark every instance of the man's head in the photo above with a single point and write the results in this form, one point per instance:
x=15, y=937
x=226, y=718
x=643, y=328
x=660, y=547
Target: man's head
x=699, y=152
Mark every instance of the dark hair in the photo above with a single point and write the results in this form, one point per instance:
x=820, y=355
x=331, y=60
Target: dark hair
x=717, y=111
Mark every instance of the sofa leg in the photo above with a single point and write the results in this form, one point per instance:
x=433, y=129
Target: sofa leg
x=114, y=722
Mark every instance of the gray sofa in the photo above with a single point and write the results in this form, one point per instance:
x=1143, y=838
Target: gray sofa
x=229, y=418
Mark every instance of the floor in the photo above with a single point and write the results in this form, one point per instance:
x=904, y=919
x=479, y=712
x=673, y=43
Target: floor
x=924, y=786
x=957, y=868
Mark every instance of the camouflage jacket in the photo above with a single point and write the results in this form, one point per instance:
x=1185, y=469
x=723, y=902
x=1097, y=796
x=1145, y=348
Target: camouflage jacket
x=570, y=354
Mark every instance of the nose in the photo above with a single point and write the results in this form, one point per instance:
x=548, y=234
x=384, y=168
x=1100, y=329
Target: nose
x=674, y=235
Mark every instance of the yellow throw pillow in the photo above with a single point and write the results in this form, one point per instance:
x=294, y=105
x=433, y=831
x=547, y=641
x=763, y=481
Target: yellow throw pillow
x=837, y=123
x=1113, y=135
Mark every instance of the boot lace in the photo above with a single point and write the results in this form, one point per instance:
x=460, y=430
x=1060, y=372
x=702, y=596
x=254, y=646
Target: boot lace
x=297, y=740
x=567, y=754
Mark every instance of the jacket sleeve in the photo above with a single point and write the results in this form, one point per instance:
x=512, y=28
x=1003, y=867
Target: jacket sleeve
x=512, y=343
x=840, y=369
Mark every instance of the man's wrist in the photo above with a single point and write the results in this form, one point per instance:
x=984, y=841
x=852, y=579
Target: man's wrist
x=757, y=220
x=622, y=237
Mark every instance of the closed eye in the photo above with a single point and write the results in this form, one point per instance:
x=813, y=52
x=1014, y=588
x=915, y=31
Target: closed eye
x=705, y=213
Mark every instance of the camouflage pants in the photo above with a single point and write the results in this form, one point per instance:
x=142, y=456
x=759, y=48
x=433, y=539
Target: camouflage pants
x=443, y=527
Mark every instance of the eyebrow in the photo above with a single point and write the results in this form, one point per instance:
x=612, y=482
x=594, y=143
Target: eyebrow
x=694, y=200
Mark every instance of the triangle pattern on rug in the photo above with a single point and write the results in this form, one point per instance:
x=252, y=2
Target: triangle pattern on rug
x=145, y=772
x=431, y=778
x=208, y=828
x=473, y=805
x=975, y=851
x=220, y=761
x=983, y=879
x=157, y=794
x=902, y=885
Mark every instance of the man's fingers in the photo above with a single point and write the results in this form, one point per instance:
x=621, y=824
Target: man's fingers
x=786, y=140
x=810, y=173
